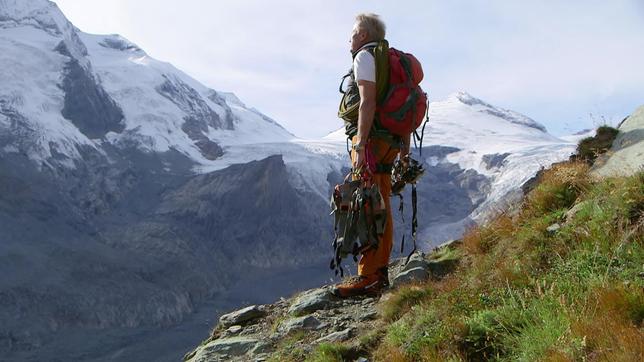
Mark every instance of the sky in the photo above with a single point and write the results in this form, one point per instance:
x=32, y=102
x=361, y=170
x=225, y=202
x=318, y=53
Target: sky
x=569, y=65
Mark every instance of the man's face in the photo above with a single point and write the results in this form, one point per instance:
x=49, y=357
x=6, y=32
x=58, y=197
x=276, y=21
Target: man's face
x=358, y=37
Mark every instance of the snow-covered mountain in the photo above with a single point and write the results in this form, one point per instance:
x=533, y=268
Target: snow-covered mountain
x=480, y=151
x=111, y=91
x=131, y=194
x=506, y=147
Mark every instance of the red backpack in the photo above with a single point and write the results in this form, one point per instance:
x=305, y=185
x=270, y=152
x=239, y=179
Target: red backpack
x=401, y=103
x=403, y=106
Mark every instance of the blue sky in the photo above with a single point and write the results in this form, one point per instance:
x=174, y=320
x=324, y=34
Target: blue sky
x=569, y=65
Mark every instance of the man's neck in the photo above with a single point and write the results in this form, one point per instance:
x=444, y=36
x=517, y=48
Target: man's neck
x=366, y=45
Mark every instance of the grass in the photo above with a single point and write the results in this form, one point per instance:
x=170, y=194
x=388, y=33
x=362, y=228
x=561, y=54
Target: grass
x=590, y=147
x=400, y=302
x=522, y=293
x=445, y=254
x=525, y=294
x=329, y=352
x=289, y=349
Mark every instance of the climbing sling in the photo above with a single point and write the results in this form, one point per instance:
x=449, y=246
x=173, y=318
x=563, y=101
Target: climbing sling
x=360, y=217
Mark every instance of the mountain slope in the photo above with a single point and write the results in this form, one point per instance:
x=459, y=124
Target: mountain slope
x=557, y=277
x=516, y=288
x=133, y=196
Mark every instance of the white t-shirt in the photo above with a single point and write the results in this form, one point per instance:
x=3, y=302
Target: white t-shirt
x=364, y=64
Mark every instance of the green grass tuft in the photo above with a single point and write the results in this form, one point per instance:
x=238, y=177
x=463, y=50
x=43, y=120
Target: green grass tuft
x=289, y=349
x=329, y=352
x=404, y=298
x=590, y=147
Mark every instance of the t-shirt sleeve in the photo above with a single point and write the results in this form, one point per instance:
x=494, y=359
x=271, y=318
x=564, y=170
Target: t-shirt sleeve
x=364, y=66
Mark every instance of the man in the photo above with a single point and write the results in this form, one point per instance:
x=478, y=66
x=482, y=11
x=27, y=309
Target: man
x=372, y=267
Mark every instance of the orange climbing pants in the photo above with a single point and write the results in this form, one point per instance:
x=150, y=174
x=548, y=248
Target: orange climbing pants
x=374, y=259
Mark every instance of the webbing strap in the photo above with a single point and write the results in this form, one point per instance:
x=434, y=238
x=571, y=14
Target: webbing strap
x=342, y=81
x=401, y=207
x=410, y=103
x=422, y=133
x=414, y=219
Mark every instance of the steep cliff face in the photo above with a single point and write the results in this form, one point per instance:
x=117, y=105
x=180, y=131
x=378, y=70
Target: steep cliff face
x=137, y=248
x=87, y=104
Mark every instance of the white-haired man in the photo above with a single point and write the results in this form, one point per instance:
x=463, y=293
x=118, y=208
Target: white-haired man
x=372, y=266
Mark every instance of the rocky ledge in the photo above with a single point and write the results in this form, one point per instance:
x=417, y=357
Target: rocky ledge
x=256, y=332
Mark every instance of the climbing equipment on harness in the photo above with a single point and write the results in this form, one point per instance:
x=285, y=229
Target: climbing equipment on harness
x=360, y=217
x=407, y=171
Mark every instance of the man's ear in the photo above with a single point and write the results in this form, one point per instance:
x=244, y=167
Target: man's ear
x=362, y=35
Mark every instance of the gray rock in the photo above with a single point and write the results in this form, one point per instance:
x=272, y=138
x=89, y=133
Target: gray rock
x=241, y=316
x=368, y=301
x=570, y=214
x=339, y=336
x=361, y=359
x=87, y=104
x=307, y=322
x=552, y=229
x=415, y=274
x=233, y=346
x=417, y=260
x=233, y=330
x=626, y=155
x=369, y=315
x=262, y=348
x=495, y=160
x=311, y=301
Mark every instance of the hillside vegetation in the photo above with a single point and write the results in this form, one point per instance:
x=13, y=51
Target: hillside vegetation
x=558, y=279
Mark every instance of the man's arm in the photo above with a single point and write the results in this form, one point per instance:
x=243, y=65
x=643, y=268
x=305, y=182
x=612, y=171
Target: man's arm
x=366, y=113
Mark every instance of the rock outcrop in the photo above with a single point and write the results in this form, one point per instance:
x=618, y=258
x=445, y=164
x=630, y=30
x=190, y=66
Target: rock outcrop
x=314, y=316
x=626, y=156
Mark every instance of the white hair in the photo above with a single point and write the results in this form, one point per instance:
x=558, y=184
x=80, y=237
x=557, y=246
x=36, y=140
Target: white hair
x=372, y=24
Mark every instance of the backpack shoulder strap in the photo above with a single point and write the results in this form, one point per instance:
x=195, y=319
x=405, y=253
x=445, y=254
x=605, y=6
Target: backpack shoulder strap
x=380, y=52
x=381, y=55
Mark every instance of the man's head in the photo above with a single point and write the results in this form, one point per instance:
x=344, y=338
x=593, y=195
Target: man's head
x=367, y=28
